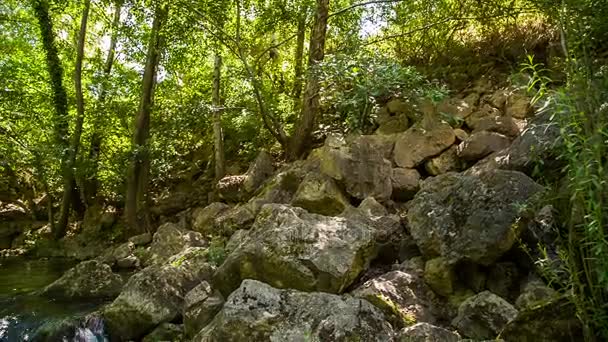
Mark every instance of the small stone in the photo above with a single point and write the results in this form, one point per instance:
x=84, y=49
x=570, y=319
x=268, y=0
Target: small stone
x=483, y=316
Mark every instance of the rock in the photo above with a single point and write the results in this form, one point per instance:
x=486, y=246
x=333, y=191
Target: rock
x=518, y=106
x=201, y=305
x=481, y=144
x=165, y=332
x=392, y=118
x=503, y=279
x=417, y=145
x=371, y=207
x=539, y=141
x=87, y=280
x=258, y=312
x=461, y=135
x=129, y=262
x=169, y=240
x=404, y=298
x=239, y=237
x=282, y=187
x=239, y=217
x=230, y=188
x=469, y=217
x=446, y=162
x=483, y=316
x=141, y=239
x=499, y=98
x=291, y=248
x=319, y=194
x=414, y=266
x=397, y=106
x=425, y=332
x=533, y=293
x=203, y=219
x=406, y=183
x=259, y=171
x=156, y=294
x=460, y=108
x=440, y=276
x=555, y=321
x=382, y=144
x=359, y=167
x=504, y=125
x=484, y=112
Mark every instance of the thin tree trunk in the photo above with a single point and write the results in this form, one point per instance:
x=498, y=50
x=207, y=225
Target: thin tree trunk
x=299, y=59
x=91, y=183
x=310, y=106
x=269, y=121
x=60, y=100
x=137, y=182
x=69, y=180
x=217, y=119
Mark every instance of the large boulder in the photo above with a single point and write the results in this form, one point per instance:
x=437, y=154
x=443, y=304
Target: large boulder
x=425, y=332
x=170, y=239
x=258, y=312
x=403, y=297
x=87, y=280
x=259, y=171
x=552, y=321
x=288, y=247
x=233, y=219
x=483, y=316
x=393, y=118
x=539, y=141
x=359, y=167
x=417, y=145
x=481, y=144
x=203, y=219
x=230, y=188
x=469, y=217
x=201, y=305
x=460, y=108
x=319, y=194
x=518, y=105
x=156, y=295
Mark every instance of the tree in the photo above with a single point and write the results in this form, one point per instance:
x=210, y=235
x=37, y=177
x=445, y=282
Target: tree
x=137, y=182
x=68, y=178
x=60, y=102
x=310, y=106
x=91, y=183
x=218, y=140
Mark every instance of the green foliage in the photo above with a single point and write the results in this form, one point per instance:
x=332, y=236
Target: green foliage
x=538, y=82
x=357, y=85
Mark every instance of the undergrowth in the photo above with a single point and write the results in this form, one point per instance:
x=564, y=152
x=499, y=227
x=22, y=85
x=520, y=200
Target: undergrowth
x=581, y=197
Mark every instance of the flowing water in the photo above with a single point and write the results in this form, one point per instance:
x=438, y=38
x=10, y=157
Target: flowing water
x=22, y=312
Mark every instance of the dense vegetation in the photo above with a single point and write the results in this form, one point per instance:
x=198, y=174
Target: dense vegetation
x=112, y=102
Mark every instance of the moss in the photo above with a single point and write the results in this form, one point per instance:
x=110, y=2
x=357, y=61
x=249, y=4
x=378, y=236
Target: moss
x=400, y=317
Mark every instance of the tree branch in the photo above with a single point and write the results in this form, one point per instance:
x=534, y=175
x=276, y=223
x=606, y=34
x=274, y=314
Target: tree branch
x=362, y=4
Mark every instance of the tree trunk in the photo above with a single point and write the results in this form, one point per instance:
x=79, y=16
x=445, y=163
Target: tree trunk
x=137, y=182
x=310, y=105
x=68, y=179
x=60, y=100
x=91, y=183
x=218, y=138
x=299, y=57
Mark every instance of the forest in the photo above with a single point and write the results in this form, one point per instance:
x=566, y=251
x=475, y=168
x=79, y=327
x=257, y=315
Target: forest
x=358, y=170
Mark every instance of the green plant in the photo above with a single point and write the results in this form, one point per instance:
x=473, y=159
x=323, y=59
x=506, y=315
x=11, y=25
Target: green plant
x=357, y=85
x=538, y=82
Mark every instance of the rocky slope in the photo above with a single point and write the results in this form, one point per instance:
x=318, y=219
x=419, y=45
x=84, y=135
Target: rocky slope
x=411, y=234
